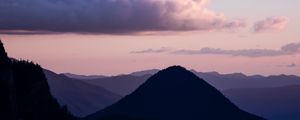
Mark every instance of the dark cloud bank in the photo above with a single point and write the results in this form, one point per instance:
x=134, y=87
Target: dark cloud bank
x=109, y=16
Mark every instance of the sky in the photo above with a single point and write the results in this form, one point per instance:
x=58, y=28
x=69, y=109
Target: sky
x=121, y=36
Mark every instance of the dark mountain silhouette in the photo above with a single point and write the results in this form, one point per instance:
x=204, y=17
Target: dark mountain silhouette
x=280, y=103
x=80, y=97
x=85, y=77
x=174, y=94
x=122, y=85
x=25, y=92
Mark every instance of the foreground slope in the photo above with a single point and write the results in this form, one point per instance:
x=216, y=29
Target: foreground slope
x=279, y=103
x=174, y=94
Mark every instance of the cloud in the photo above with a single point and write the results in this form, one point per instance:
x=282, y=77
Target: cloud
x=292, y=65
x=271, y=24
x=246, y=52
x=160, y=50
x=110, y=16
x=292, y=48
x=289, y=49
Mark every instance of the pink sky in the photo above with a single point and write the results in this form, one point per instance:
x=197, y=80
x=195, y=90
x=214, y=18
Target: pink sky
x=228, y=29
x=109, y=55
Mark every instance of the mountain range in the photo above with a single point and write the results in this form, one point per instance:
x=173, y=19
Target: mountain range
x=221, y=81
x=81, y=98
x=174, y=94
x=239, y=80
x=122, y=84
x=87, y=77
x=235, y=83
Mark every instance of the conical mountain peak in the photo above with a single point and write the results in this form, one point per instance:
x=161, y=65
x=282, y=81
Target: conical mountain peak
x=174, y=71
x=175, y=68
x=175, y=77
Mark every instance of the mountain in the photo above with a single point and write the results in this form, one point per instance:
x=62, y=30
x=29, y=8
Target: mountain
x=145, y=72
x=81, y=98
x=239, y=80
x=280, y=103
x=25, y=93
x=174, y=94
x=125, y=84
x=122, y=84
x=88, y=77
x=222, y=82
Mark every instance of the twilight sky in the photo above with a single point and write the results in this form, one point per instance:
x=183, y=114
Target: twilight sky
x=120, y=36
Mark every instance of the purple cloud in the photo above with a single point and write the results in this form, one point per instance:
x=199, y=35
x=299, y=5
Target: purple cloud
x=289, y=49
x=271, y=24
x=110, y=16
x=293, y=47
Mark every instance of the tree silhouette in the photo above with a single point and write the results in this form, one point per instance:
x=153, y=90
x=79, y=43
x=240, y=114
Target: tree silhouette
x=8, y=109
x=25, y=92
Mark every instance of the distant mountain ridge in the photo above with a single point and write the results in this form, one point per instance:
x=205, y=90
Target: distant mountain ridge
x=71, y=75
x=239, y=80
x=80, y=97
x=221, y=81
x=122, y=84
x=145, y=72
x=173, y=94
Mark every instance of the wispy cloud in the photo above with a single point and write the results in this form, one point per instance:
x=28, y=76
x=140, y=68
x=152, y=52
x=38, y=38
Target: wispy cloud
x=271, y=24
x=289, y=49
x=292, y=65
x=160, y=50
x=246, y=52
x=110, y=16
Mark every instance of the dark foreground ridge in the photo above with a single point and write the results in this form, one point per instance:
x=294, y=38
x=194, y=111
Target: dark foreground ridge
x=25, y=92
x=174, y=94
